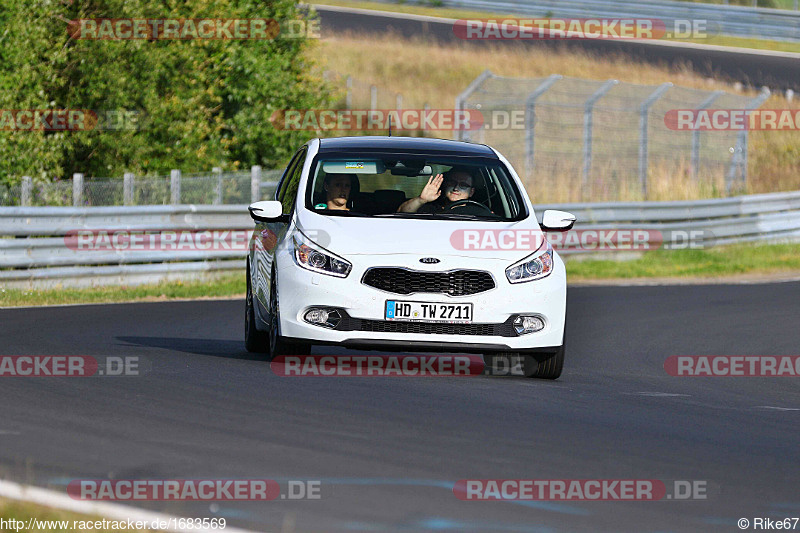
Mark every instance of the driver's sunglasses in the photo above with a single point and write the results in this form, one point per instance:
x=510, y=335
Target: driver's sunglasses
x=462, y=185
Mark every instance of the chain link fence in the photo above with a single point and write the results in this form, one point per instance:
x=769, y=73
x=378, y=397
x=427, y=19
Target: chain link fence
x=359, y=94
x=215, y=188
x=582, y=140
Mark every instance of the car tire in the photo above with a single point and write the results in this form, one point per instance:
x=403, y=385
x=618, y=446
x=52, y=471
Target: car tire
x=548, y=366
x=277, y=343
x=255, y=341
x=542, y=366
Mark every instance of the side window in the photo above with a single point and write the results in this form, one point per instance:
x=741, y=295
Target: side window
x=287, y=193
x=293, y=172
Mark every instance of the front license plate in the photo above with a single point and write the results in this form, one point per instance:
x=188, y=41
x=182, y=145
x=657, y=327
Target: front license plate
x=429, y=312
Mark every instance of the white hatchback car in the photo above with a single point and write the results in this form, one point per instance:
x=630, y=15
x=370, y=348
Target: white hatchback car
x=406, y=244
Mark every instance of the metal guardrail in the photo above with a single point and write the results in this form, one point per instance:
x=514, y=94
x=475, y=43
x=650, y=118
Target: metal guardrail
x=35, y=251
x=773, y=217
x=737, y=21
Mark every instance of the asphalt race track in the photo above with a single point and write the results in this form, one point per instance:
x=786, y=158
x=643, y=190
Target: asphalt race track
x=387, y=451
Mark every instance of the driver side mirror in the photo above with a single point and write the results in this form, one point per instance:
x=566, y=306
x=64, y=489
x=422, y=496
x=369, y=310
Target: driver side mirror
x=267, y=211
x=553, y=220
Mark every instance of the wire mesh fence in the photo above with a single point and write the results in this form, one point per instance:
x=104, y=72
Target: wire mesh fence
x=215, y=187
x=359, y=94
x=584, y=140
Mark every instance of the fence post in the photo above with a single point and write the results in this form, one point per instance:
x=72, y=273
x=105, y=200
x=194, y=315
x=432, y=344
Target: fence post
x=588, y=111
x=127, y=188
x=348, y=99
x=255, y=183
x=373, y=97
x=77, y=189
x=530, y=120
x=217, y=171
x=696, y=135
x=399, y=105
x=461, y=101
x=175, y=186
x=25, y=193
x=643, y=133
x=739, y=158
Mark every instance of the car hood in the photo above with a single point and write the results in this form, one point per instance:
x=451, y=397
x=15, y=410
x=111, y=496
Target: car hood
x=509, y=241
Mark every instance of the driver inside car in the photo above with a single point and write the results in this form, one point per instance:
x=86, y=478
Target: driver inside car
x=337, y=191
x=440, y=193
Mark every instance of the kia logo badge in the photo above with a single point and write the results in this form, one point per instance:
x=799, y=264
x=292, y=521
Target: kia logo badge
x=429, y=260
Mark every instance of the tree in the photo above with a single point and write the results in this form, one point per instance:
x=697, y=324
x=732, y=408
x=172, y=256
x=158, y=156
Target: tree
x=196, y=103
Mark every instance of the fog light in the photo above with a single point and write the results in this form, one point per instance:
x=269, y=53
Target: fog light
x=524, y=325
x=325, y=317
x=317, y=316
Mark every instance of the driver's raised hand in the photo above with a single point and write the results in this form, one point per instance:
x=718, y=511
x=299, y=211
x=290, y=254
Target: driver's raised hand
x=432, y=189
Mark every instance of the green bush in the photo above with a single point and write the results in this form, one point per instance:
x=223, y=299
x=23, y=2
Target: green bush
x=202, y=103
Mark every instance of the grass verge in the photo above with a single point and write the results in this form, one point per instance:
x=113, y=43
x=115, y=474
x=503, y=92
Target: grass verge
x=226, y=285
x=724, y=261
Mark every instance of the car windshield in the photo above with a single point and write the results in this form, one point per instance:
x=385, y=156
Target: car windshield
x=400, y=186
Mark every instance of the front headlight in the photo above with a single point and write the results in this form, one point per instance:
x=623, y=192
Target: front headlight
x=536, y=266
x=313, y=257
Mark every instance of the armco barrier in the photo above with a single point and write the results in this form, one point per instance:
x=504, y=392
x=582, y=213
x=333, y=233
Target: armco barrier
x=34, y=251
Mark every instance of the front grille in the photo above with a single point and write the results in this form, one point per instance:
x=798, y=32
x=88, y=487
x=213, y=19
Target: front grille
x=505, y=329
x=454, y=283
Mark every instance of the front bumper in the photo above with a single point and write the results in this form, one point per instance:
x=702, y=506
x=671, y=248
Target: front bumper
x=363, y=324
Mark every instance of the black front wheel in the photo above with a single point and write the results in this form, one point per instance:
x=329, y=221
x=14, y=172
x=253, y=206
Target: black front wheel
x=549, y=366
x=277, y=343
x=542, y=366
x=254, y=340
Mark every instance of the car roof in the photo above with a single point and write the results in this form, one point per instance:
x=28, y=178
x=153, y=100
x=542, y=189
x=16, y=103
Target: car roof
x=405, y=145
